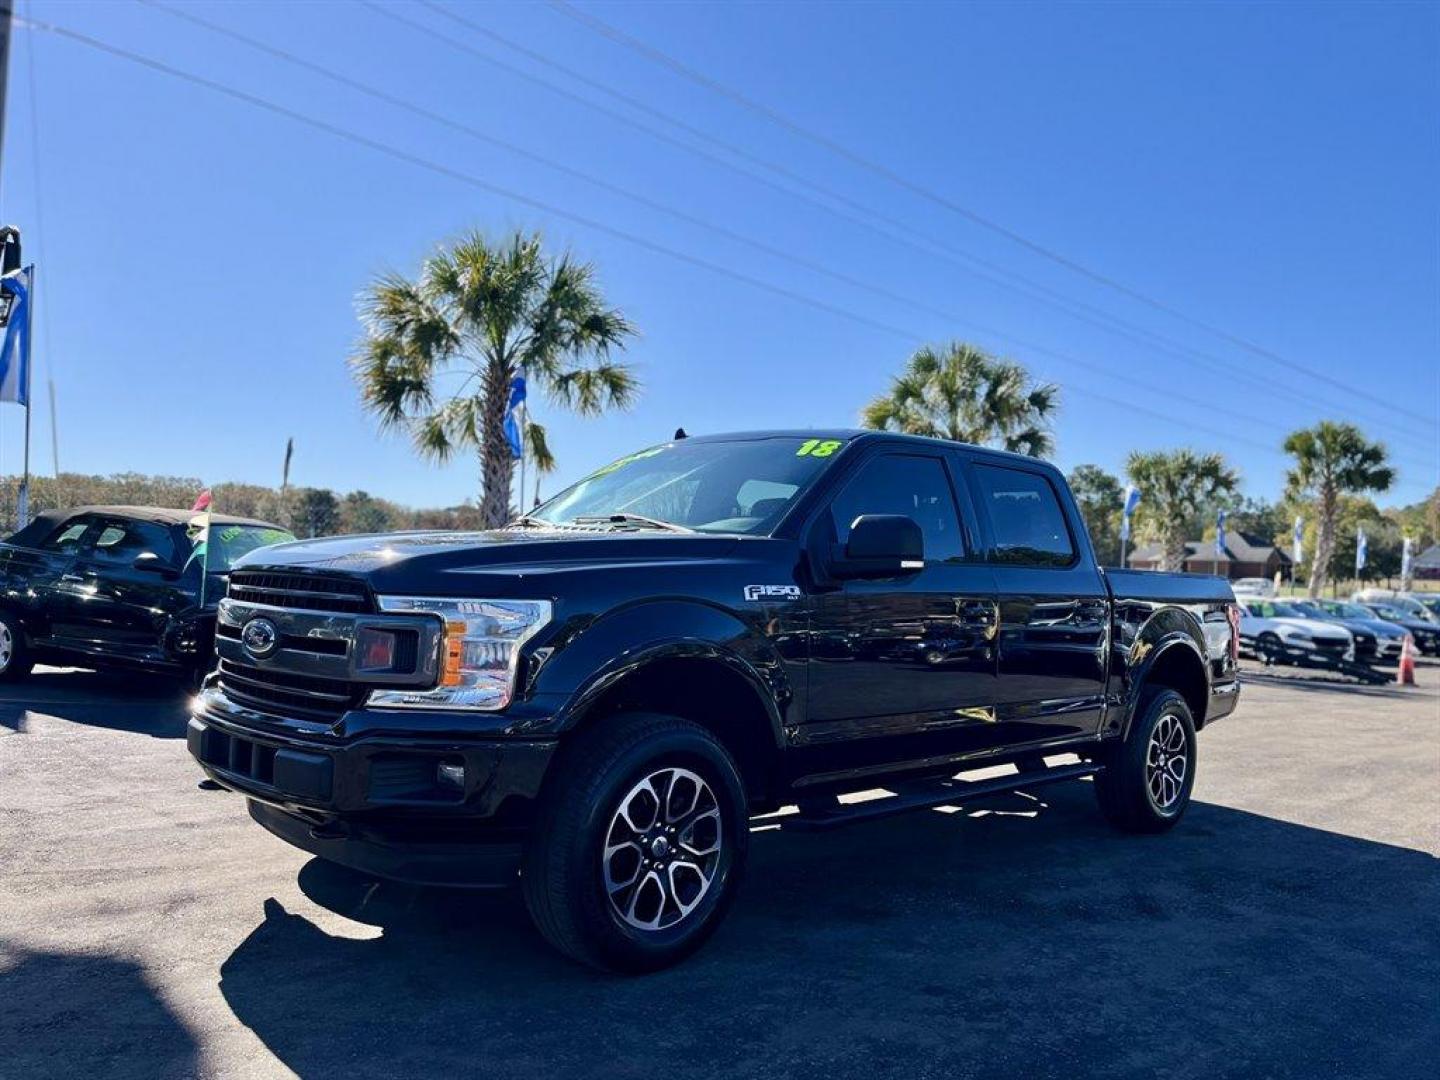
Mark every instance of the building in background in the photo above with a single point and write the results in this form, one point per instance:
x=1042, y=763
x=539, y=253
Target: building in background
x=1246, y=555
x=1427, y=564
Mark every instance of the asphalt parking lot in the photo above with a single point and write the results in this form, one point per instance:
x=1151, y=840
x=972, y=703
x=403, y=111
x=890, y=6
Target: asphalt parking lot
x=1287, y=928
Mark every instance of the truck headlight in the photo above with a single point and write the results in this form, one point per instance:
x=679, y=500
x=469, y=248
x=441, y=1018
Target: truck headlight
x=479, y=651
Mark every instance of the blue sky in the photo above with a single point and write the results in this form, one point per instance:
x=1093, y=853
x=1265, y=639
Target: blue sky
x=1270, y=170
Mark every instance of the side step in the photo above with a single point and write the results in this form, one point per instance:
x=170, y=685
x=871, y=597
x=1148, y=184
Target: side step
x=941, y=793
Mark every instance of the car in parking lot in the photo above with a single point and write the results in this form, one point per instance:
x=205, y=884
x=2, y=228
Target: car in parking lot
x=1279, y=631
x=119, y=586
x=1254, y=586
x=1402, y=603
x=1376, y=640
x=1425, y=632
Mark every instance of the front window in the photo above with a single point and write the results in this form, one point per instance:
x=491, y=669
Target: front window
x=729, y=486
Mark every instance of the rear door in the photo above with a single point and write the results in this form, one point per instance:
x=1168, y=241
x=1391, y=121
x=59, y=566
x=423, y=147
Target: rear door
x=1054, y=604
x=899, y=666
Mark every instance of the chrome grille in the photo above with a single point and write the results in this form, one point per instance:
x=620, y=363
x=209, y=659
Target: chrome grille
x=307, y=592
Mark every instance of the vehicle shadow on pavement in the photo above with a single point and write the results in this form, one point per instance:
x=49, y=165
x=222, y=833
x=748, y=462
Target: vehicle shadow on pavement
x=1025, y=941
x=52, y=998
x=145, y=704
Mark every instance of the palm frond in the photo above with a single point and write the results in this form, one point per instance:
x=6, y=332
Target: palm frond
x=537, y=447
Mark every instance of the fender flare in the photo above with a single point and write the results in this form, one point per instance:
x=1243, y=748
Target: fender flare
x=1151, y=648
x=629, y=639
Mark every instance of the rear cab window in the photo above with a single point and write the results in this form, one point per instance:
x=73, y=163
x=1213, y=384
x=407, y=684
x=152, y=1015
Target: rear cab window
x=1027, y=522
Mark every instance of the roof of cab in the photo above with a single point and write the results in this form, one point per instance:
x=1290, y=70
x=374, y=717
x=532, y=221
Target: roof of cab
x=868, y=435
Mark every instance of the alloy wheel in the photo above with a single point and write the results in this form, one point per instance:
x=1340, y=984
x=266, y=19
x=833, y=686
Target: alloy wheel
x=662, y=849
x=1167, y=759
x=7, y=646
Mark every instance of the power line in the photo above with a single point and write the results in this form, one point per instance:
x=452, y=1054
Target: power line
x=682, y=69
x=779, y=253
x=407, y=157
x=894, y=229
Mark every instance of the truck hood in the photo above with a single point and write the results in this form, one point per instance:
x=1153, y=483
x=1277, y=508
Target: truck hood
x=397, y=557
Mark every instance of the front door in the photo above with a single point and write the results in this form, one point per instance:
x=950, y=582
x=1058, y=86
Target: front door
x=114, y=608
x=901, y=668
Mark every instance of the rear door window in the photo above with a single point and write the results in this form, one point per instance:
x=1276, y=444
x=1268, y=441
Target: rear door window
x=1026, y=519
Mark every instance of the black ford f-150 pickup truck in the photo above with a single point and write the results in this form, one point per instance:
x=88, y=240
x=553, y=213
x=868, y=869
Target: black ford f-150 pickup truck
x=601, y=696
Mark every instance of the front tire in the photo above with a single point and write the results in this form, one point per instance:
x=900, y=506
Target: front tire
x=1146, y=785
x=640, y=843
x=1270, y=649
x=15, y=662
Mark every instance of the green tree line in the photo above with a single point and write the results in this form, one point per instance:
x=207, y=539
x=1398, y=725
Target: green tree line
x=306, y=511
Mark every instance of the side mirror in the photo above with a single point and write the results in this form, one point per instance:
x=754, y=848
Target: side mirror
x=881, y=546
x=150, y=563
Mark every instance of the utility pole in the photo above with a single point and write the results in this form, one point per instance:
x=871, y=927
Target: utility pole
x=5, y=10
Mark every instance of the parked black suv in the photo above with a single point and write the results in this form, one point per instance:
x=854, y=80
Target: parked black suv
x=602, y=695
x=118, y=586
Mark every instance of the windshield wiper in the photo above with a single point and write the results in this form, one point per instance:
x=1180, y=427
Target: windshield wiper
x=625, y=518
x=529, y=522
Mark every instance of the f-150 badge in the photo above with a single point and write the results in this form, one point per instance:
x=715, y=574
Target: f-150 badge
x=772, y=592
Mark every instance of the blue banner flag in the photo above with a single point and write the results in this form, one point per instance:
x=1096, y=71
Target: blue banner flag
x=15, y=304
x=1132, y=499
x=1220, y=534
x=512, y=423
x=1297, y=542
x=1361, y=547
x=1407, y=556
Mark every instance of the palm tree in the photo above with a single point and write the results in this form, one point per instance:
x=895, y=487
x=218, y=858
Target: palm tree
x=1332, y=459
x=487, y=312
x=962, y=393
x=1176, y=488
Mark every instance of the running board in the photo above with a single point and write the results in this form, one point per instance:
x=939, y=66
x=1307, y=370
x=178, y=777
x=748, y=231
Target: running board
x=943, y=793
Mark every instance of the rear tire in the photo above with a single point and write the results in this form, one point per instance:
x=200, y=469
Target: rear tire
x=640, y=843
x=15, y=662
x=1145, y=786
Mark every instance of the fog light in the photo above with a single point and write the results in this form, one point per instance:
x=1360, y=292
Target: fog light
x=451, y=773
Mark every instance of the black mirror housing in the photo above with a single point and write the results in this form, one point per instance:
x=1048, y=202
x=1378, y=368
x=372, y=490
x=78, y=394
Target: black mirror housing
x=881, y=546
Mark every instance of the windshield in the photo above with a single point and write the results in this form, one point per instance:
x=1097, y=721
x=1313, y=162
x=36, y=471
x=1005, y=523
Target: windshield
x=1349, y=611
x=741, y=486
x=1310, y=611
x=230, y=542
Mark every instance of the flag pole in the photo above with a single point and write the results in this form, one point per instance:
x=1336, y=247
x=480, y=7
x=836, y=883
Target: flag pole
x=23, y=517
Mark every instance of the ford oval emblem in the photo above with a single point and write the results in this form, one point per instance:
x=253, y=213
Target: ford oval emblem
x=260, y=638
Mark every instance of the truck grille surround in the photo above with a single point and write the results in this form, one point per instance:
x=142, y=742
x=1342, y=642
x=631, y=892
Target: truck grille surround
x=307, y=592
x=313, y=672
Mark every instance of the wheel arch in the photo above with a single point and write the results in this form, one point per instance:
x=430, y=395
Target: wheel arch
x=702, y=682
x=1175, y=663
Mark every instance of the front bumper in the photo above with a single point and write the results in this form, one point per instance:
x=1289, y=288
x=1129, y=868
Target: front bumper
x=379, y=802
x=400, y=851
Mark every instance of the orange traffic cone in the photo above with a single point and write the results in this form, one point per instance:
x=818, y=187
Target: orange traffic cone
x=1405, y=676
